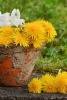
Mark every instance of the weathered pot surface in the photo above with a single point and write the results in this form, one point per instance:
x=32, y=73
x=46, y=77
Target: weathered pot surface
x=16, y=64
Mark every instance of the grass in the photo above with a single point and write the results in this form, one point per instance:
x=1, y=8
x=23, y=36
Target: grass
x=54, y=56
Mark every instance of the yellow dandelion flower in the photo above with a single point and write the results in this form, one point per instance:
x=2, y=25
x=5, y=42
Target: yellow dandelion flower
x=5, y=35
x=48, y=83
x=41, y=22
x=19, y=39
x=50, y=31
x=61, y=82
x=38, y=43
x=34, y=30
x=5, y=41
x=7, y=30
x=35, y=86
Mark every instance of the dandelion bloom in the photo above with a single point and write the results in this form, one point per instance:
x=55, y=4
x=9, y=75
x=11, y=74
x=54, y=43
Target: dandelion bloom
x=61, y=82
x=35, y=86
x=7, y=30
x=48, y=83
x=34, y=30
x=5, y=41
x=18, y=38
x=50, y=32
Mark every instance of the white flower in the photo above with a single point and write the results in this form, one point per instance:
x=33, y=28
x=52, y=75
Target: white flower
x=15, y=18
x=11, y=20
x=15, y=13
x=4, y=19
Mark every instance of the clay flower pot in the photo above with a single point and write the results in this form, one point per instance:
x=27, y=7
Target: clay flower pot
x=16, y=65
x=18, y=46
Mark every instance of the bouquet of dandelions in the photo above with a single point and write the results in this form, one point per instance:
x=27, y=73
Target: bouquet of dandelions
x=14, y=30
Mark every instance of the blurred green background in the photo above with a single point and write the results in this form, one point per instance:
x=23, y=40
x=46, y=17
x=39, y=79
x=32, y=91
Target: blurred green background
x=54, y=56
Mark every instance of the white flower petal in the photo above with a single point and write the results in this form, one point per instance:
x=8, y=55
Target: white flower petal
x=8, y=24
x=18, y=13
x=6, y=16
x=22, y=20
x=13, y=13
x=4, y=19
x=15, y=22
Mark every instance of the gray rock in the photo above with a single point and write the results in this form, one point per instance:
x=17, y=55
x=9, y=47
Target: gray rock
x=21, y=93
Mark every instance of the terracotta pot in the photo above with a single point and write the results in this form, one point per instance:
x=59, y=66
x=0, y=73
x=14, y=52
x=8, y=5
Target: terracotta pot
x=16, y=65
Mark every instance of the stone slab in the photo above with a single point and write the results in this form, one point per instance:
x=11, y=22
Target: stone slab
x=21, y=93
